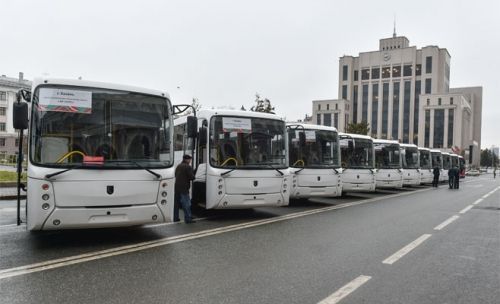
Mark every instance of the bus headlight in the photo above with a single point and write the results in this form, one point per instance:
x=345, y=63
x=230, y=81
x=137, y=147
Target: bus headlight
x=56, y=222
x=163, y=202
x=45, y=206
x=45, y=197
x=164, y=194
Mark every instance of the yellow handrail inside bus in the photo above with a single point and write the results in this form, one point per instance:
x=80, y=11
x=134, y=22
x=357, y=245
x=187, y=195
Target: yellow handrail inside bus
x=228, y=160
x=60, y=160
x=299, y=161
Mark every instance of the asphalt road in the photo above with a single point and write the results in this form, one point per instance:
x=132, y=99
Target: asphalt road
x=411, y=246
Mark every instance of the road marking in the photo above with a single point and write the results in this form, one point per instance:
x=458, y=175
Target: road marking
x=466, y=209
x=447, y=222
x=346, y=290
x=477, y=201
x=81, y=258
x=403, y=251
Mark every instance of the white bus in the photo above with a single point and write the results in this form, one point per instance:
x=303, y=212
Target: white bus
x=425, y=159
x=437, y=160
x=100, y=155
x=411, y=165
x=240, y=159
x=388, y=164
x=314, y=154
x=358, y=163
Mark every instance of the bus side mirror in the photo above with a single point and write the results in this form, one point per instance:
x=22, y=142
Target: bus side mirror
x=302, y=139
x=20, y=115
x=192, y=126
x=202, y=139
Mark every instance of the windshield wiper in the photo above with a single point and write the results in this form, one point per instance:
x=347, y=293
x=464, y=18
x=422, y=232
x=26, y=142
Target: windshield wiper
x=49, y=176
x=298, y=170
x=158, y=176
x=336, y=171
x=227, y=172
x=270, y=166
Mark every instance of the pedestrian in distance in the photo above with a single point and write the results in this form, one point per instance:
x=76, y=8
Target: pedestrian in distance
x=451, y=177
x=456, y=179
x=435, y=172
x=494, y=172
x=183, y=176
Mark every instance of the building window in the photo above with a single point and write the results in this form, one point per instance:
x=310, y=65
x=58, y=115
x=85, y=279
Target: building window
x=439, y=101
x=428, y=101
x=364, y=109
x=336, y=106
x=319, y=107
x=365, y=74
x=3, y=96
x=355, y=104
x=2, y=126
x=336, y=120
x=418, y=69
x=17, y=142
x=375, y=73
x=327, y=119
x=2, y=111
x=428, y=64
x=407, y=70
x=427, y=127
x=451, y=100
x=416, y=110
x=385, y=109
x=428, y=86
x=438, y=128
x=451, y=115
x=395, y=111
x=344, y=92
x=374, y=110
x=386, y=72
x=356, y=75
x=406, y=112
x=344, y=72
x=2, y=142
x=396, y=71
x=318, y=119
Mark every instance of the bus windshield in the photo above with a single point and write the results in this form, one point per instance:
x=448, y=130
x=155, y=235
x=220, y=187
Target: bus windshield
x=387, y=156
x=410, y=158
x=101, y=127
x=247, y=142
x=447, y=162
x=437, y=160
x=425, y=159
x=356, y=153
x=320, y=150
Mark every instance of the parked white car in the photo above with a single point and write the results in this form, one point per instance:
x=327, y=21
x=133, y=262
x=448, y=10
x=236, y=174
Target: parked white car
x=473, y=172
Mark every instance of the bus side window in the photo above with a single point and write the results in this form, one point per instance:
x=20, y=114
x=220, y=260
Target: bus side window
x=179, y=132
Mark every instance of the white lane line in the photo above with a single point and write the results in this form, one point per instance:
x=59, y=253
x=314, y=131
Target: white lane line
x=477, y=201
x=466, y=209
x=345, y=290
x=447, y=222
x=81, y=258
x=403, y=251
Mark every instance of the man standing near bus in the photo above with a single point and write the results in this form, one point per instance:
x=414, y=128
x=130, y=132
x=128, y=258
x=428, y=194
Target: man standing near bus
x=435, y=172
x=183, y=176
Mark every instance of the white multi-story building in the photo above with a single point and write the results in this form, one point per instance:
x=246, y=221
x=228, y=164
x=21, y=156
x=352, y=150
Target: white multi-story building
x=9, y=140
x=404, y=94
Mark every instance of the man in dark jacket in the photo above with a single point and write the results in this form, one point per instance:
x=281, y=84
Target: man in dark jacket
x=456, y=179
x=435, y=172
x=183, y=176
x=451, y=177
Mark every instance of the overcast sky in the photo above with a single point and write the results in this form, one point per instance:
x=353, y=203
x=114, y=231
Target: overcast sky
x=224, y=51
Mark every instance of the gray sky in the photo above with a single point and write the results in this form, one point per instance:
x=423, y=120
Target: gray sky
x=224, y=51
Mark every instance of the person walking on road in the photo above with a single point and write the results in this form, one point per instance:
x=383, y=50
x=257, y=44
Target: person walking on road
x=183, y=176
x=495, y=172
x=435, y=172
x=456, y=179
x=451, y=177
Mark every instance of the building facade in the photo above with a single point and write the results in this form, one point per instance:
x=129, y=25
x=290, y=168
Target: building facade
x=9, y=138
x=331, y=112
x=404, y=94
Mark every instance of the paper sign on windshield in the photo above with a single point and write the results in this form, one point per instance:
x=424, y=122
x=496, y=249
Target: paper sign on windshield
x=239, y=125
x=310, y=136
x=64, y=100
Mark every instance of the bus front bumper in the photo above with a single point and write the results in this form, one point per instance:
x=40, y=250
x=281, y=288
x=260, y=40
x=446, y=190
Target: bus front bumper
x=389, y=183
x=77, y=218
x=305, y=192
x=246, y=201
x=358, y=187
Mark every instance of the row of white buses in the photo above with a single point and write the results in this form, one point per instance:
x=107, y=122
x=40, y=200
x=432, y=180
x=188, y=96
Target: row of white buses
x=104, y=155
